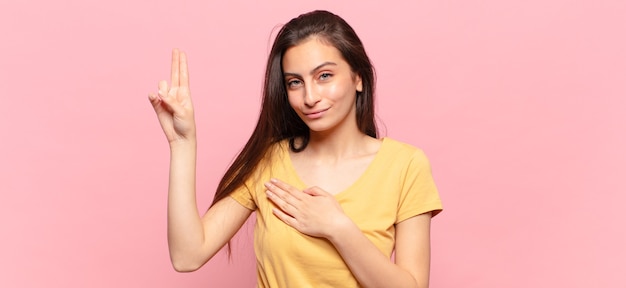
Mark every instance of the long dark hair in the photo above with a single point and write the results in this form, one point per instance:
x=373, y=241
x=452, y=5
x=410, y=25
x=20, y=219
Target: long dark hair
x=277, y=120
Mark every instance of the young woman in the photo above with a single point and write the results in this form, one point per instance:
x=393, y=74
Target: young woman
x=332, y=200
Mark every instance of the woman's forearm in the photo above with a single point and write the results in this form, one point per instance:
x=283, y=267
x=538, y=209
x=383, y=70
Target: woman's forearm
x=368, y=264
x=184, y=226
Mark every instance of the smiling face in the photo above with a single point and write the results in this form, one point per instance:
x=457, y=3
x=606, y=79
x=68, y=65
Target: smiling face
x=321, y=85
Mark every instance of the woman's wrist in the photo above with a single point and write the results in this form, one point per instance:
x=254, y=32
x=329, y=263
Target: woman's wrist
x=183, y=144
x=344, y=227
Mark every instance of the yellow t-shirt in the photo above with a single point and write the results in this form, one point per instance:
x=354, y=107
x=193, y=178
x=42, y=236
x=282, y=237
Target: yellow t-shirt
x=397, y=185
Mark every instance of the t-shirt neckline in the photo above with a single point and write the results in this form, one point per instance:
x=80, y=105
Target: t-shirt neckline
x=292, y=170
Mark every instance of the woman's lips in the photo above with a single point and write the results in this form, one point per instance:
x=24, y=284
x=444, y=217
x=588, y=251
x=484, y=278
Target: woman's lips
x=316, y=114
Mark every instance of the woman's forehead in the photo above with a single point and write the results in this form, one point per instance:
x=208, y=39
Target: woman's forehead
x=309, y=54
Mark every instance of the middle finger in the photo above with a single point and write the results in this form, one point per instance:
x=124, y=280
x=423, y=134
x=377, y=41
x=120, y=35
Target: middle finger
x=280, y=196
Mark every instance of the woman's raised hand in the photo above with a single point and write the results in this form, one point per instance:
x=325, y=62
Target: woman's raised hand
x=173, y=104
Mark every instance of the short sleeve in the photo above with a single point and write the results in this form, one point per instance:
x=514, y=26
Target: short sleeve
x=247, y=194
x=244, y=197
x=419, y=193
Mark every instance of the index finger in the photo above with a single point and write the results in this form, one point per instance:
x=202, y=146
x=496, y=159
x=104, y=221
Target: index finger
x=286, y=188
x=175, y=70
x=184, y=71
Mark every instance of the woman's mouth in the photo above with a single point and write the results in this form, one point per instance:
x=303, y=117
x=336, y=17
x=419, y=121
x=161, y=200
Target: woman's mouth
x=316, y=114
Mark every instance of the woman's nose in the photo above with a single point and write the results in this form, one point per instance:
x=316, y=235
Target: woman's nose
x=311, y=96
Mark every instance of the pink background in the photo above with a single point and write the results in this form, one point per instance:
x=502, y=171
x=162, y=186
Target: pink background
x=519, y=104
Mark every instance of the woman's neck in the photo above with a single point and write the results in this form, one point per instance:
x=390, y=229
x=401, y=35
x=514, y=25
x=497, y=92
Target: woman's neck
x=337, y=145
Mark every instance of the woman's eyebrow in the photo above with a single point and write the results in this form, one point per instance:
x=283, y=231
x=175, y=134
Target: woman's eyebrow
x=312, y=71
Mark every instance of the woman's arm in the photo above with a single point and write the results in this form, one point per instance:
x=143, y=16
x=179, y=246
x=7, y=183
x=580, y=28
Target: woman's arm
x=413, y=247
x=373, y=269
x=316, y=213
x=192, y=240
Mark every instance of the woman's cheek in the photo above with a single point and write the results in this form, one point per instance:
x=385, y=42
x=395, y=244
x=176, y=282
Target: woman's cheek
x=330, y=91
x=294, y=98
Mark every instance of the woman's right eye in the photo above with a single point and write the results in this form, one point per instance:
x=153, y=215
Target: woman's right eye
x=293, y=83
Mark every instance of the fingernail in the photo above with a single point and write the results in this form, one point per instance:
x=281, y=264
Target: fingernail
x=273, y=180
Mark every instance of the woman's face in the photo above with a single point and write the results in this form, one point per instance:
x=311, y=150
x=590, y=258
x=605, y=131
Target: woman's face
x=320, y=85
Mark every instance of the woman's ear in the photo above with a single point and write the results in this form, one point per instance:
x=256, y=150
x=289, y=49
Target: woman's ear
x=359, y=84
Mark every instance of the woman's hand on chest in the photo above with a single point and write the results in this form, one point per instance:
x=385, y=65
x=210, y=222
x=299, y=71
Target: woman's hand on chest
x=311, y=211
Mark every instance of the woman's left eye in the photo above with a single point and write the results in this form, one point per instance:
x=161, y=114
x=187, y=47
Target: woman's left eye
x=325, y=76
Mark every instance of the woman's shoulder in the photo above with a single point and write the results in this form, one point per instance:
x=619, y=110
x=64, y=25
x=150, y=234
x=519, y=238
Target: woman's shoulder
x=398, y=147
x=401, y=154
